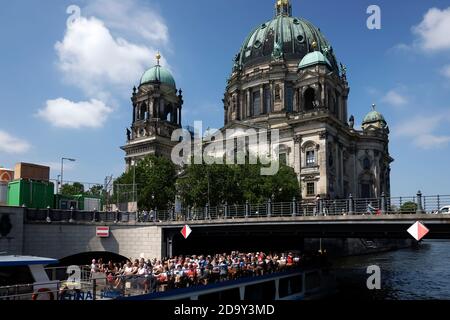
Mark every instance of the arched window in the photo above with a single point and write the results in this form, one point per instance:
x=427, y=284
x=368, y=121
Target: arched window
x=256, y=99
x=267, y=100
x=289, y=97
x=142, y=111
x=366, y=184
x=310, y=97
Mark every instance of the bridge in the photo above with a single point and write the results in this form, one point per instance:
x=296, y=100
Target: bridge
x=268, y=226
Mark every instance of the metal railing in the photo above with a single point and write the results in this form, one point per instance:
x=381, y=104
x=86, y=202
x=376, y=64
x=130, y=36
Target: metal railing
x=417, y=204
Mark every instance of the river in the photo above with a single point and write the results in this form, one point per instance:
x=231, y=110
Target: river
x=419, y=273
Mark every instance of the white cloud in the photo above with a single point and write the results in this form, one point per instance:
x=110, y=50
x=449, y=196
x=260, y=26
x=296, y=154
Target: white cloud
x=131, y=18
x=433, y=31
x=12, y=145
x=394, y=98
x=421, y=130
x=92, y=59
x=446, y=71
x=63, y=113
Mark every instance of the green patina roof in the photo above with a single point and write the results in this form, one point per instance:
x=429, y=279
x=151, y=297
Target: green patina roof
x=373, y=116
x=294, y=37
x=314, y=58
x=159, y=74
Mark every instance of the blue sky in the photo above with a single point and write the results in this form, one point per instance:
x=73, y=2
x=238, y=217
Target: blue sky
x=66, y=91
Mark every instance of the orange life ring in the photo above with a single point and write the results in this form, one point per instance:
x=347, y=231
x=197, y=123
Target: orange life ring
x=43, y=290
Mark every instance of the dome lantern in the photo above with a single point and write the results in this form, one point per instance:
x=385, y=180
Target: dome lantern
x=283, y=7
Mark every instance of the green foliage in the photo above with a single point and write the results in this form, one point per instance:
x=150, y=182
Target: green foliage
x=236, y=184
x=408, y=208
x=155, y=179
x=72, y=190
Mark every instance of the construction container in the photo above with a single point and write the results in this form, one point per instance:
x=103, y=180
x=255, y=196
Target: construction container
x=32, y=194
x=3, y=193
x=78, y=202
x=31, y=172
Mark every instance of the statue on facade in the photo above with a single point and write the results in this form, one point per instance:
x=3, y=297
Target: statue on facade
x=128, y=134
x=351, y=122
x=277, y=53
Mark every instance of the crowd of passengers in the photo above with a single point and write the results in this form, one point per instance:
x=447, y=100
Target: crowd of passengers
x=184, y=271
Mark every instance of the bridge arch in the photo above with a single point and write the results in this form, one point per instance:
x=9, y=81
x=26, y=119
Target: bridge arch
x=85, y=258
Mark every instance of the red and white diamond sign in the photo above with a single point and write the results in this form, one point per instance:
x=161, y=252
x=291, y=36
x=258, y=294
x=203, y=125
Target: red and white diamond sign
x=418, y=230
x=186, y=231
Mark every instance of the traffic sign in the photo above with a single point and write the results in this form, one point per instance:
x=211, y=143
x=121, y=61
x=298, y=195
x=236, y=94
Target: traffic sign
x=418, y=230
x=186, y=231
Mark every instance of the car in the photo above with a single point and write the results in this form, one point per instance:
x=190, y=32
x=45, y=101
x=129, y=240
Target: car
x=443, y=210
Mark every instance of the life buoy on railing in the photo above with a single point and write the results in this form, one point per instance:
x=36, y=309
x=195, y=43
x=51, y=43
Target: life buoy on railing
x=43, y=291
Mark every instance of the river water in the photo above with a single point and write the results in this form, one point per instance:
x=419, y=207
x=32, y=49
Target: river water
x=418, y=273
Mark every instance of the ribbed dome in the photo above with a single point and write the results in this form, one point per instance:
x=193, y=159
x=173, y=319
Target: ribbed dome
x=291, y=37
x=158, y=74
x=374, y=116
x=314, y=58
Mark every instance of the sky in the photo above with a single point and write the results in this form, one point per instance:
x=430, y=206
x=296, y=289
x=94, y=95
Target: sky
x=67, y=69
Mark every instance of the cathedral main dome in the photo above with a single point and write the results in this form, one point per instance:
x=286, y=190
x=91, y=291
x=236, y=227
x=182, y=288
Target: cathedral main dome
x=284, y=36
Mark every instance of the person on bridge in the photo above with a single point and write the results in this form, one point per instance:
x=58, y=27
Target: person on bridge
x=370, y=209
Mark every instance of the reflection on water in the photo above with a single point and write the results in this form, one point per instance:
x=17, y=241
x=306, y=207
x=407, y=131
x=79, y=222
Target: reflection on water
x=409, y=274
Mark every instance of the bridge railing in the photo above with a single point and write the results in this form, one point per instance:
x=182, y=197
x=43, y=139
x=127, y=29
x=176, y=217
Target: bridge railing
x=314, y=207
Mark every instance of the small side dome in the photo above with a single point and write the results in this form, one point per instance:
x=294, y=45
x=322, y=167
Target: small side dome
x=314, y=58
x=159, y=74
x=374, y=118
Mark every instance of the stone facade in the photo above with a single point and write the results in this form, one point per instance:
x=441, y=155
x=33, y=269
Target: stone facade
x=156, y=113
x=304, y=95
x=60, y=241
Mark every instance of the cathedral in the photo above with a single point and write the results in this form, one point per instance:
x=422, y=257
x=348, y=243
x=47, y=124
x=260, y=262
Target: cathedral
x=285, y=76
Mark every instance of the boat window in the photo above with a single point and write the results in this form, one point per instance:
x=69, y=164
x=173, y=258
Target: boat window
x=260, y=291
x=10, y=276
x=290, y=286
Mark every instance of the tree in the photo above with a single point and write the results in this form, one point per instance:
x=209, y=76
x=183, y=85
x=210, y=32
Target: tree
x=408, y=208
x=72, y=190
x=155, y=179
x=236, y=184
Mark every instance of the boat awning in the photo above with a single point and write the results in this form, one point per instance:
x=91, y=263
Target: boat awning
x=16, y=261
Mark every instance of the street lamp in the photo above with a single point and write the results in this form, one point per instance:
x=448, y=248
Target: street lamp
x=62, y=170
x=133, y=163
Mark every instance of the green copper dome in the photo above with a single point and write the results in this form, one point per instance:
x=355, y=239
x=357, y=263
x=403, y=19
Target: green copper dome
x=374, y=116
x=284, y=37
x=158, y=74
x=314, y=58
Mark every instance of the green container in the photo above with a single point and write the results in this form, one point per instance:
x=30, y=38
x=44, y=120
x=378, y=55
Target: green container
x=78, y=202
x=32, y=194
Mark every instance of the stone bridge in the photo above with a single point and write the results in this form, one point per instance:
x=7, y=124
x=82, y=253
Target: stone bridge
x=130, y=238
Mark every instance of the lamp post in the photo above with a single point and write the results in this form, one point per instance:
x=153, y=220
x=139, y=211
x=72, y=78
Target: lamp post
x=133, y=163
x=62, y=171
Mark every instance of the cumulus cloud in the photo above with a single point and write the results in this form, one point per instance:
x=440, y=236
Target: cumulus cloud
x=394, y=98
x=92, y=59
x=131, y=18
x=104, y=52
x=446, y=71
x=433, y=31
x=63, y=113
x=422, y=131
x=12, y=145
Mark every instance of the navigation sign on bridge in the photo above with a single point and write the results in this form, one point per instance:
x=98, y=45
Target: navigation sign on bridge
x=186, y=231
x=418, y=231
